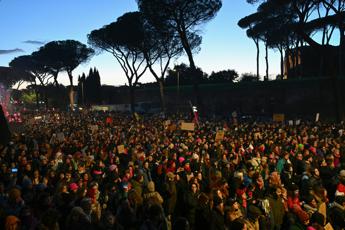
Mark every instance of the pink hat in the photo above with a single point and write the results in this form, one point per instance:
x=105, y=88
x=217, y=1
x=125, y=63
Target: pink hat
x=73, y=186
x=97, y=172
x=112, y=168
x=181, y=160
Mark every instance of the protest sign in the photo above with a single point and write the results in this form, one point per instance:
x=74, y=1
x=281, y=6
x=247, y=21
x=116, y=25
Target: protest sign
x=38, y=118
x=121, y=149
x=187, y=126
x=172, y=127
x=278, y=117
x=166, y=123
x=94, y=128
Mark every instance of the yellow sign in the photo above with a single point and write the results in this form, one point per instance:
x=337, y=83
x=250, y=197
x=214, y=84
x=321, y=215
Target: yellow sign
x=121, y=149
x=220, y=135
x=278, y=117
x=167, y=123
x=137, y=117
x=187, y=126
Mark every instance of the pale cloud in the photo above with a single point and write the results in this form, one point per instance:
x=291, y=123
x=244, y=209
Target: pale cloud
x=11, y=51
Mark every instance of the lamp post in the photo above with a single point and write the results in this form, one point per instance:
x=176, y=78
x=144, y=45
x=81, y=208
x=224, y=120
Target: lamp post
x=178, y=90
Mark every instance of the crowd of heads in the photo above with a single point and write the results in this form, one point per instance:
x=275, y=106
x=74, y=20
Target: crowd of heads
x=100, y=170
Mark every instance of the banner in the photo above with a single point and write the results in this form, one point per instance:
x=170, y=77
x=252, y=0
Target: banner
x=278, y=117
x=219, y=135
x=187, y=126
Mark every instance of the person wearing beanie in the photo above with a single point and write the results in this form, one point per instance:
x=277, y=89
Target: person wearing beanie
x=152, y=195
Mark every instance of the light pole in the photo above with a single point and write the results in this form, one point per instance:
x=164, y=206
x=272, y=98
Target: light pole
x=178, y=90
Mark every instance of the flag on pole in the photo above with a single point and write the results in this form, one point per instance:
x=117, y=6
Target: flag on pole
x=196, y=115
x=137, y=117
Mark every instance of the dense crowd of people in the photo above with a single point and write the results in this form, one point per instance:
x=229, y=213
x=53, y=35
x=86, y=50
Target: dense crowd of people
x=95, y=170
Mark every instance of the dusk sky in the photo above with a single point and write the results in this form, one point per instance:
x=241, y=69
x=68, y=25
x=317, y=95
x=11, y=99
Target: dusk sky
x=27, y=25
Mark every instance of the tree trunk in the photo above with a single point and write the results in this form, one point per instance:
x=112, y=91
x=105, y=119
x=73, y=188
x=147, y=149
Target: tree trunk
x=46, y=98
x=55, y=78
x=36, y=92
x=161, y=87
x=287, y=56
x=162, y=97
x=266, y=59
x=132, y=98
x=281, y=62
x=257, y=59
x=186, y=46
x=71, y=94
x=340, y=55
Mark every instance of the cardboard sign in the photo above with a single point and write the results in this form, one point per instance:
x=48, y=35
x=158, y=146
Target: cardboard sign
x=291, y=122
x=278, y=117
x=220, y=135
x=137, y=117
x=317, y=117
x=172, y=127
x=298, y=122
x=167, y=123
x=187, y=126
x=121, y=149
x=94, y=128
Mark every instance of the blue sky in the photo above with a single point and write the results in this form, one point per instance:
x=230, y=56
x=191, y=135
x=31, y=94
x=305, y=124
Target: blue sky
x=225, y=45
